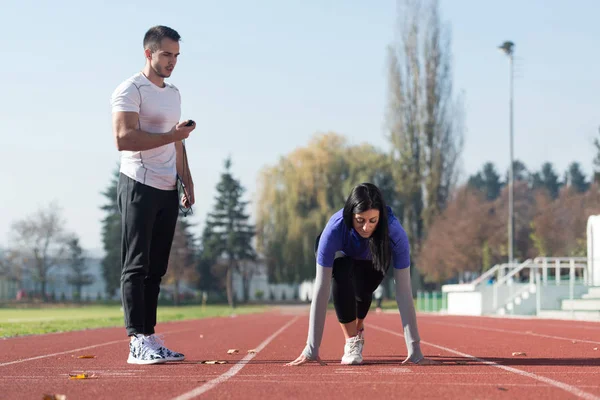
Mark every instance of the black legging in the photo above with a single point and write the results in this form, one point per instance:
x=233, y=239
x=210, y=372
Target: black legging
x=354, y=282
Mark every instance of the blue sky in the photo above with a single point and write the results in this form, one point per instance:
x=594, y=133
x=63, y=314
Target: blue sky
x=260, y=78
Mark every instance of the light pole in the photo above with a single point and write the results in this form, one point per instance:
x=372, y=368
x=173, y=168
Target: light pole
x=508, y=48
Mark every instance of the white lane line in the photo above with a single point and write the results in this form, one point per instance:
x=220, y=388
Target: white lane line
x=561, y=385
x=235, y=369
x=526, y=333
x=396, y=382
x=75, y=350
x=539, y=322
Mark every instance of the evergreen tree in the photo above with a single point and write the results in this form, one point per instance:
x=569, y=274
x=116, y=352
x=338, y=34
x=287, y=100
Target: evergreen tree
x=520, y=172
x=111, y=238
x=487, y=181
x=576, y=179
x=597, y=160
x=547, y=179
x=228, y=233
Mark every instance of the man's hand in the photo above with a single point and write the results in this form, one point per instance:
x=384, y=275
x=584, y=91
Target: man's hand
x=303, y=360
x=181, y=131
x=188, y=200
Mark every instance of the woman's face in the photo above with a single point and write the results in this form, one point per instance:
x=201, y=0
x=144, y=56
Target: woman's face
x=366, y=222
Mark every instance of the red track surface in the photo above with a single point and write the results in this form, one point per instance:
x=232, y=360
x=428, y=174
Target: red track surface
x=476, y=353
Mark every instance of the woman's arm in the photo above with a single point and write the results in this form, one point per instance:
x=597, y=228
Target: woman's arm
x=318, y=311
x=406, y=306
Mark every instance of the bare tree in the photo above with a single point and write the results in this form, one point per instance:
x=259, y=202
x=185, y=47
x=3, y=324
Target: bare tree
x=424, y=118
x=41, y=238
x=11, y=266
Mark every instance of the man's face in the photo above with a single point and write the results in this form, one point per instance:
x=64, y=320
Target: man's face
x=163, y=60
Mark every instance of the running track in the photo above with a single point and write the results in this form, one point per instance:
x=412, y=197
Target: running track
x=476, y=354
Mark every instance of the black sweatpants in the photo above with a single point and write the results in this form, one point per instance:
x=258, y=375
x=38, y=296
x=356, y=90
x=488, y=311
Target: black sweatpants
x=354, y=282
x=148, y=219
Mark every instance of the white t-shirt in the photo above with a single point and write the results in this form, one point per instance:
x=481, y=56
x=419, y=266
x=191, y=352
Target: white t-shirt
x=159, y=110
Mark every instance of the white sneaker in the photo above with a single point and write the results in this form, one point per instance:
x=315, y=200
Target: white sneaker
x=158, y=343
x=353, y=351
x=143, y=352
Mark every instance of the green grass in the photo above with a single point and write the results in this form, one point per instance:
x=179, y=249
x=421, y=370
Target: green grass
x=36, y=321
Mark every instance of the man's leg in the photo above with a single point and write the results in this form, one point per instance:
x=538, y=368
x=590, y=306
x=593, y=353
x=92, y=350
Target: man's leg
x=160, y=249
x=137, y=218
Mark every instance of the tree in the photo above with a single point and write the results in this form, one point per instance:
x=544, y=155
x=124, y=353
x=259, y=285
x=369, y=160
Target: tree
x=78, y=276
x=111, y=238
x=520, y=172
x=424, y=118
x=41, y=239
x=207, y=258
x=471, y=235
x=230, y=234
x=560, y=226
x=181, y=260
x=487, y=181
x=597, y=159
x=576, y=179
x=298, y=195
x=546, y=179
x=459, y=237
x=247, y=270
x=12, y=266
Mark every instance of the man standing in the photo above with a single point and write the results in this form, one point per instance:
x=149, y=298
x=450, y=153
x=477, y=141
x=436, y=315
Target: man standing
x=145, y=114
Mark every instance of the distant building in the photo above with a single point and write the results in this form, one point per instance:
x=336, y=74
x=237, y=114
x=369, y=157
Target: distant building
x=57, y=286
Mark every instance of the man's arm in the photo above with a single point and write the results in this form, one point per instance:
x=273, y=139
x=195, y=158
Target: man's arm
x=183, y=170
x=129, y=137
x=183, y=166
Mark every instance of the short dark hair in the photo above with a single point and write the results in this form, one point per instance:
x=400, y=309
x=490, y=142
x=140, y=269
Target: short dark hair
x=364, y=197
x=156, y=34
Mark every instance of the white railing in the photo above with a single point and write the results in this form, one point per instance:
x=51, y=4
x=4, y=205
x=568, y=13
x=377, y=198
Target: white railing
x=538, y=275
x=561, y=263
x=486, y=275
x=508, y=279
x=573, y=264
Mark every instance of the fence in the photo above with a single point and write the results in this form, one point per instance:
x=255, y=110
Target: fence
x=431, y=301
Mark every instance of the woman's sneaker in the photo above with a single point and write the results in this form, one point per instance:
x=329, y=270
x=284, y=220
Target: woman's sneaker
x=169, y=355
x=141, y=351
x=353, y=351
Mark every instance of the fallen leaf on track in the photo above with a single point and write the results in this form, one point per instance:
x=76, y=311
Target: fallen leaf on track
x=519, y=353
x=87, y=356
x=233, y=351
x=81, y=376
x=214, y=362
x=252, y=351
x=503, y=389
x=55, y=397
x=595, y=348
